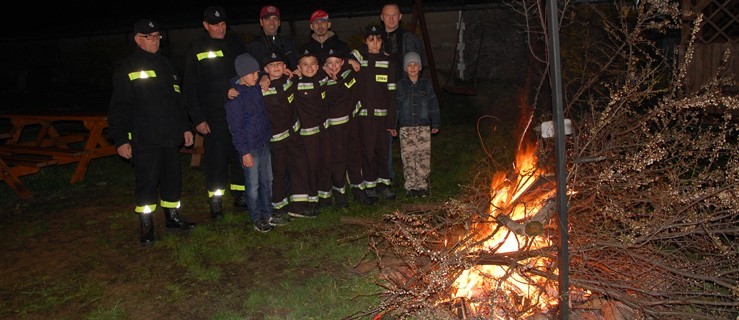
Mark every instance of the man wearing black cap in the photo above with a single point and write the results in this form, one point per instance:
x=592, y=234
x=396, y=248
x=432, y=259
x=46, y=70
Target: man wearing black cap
x=209, y=65
x=322, y=39
x=148, y=123
x=270, y=41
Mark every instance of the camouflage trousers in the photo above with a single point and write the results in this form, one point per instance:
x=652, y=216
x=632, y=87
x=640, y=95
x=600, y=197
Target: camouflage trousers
x=415, y=151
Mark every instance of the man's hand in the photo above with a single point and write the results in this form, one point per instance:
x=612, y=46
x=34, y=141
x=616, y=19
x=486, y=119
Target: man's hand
x=232, y=93
x=189, y=138
x=355, y=64
x=393, y=132
x=203, y=128
x=295, y=72
x=434, y=131
x=125, y=151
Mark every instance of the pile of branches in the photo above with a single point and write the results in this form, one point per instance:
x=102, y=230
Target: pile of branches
x=653, y=175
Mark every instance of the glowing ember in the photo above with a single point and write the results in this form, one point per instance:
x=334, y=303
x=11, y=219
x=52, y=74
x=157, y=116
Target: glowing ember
x=487, y=286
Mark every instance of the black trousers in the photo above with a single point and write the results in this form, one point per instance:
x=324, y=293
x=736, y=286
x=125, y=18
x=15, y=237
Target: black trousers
x=289, y=170
x=158, y=174
x=219, y=158
x=375, y=149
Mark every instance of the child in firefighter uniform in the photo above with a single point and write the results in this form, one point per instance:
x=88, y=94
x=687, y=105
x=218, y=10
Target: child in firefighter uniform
x=289, y=169
x=148, y=124
x=309, y=94
x=377, y=116
x=343, y=105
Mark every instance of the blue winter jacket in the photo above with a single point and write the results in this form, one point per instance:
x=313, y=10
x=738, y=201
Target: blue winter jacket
x=247, y=119
x=417, y=104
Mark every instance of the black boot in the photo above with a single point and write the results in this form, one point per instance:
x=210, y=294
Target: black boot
x=361, y=196
x=239, y=200
x=147, y=229
x=340, y=200
x=385, y=192
x=216, y=208
x=175, y=221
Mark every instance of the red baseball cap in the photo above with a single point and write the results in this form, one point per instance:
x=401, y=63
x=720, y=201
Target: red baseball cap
x=318, y=15
x=269, y=10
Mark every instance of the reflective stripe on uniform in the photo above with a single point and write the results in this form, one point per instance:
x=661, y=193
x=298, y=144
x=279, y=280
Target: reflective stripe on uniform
x=338, y=121
x=280, y=136
x=143, y=74
x=310, y=131
x=210, y=55
x=149, y=208
x=380, y=112
x=169, y=204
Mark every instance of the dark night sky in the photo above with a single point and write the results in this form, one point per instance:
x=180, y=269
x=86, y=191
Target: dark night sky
x=28, y=19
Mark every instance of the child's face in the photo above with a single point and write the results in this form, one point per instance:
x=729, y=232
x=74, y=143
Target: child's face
x=250, y=79
x=275, y=69
x=308, y=66
x=374, y=43
x=413, y=69
x=334, y=64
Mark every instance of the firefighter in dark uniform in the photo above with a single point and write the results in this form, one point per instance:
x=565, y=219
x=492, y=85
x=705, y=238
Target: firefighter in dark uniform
x=342, y=107
x=289, y=168
x=377, y=115
x=309, y=93
x=209, y=65
x=148, y=123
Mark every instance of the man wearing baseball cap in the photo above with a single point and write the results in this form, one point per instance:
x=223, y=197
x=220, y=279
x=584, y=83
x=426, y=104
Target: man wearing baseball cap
x=270, y=40
x=209, y=65
x=323, y=39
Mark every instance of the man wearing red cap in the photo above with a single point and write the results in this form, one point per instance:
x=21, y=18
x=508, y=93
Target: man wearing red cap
x=270, y=41
x=323, y=39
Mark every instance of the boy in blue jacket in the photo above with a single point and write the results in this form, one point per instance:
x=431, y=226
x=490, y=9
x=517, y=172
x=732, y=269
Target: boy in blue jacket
x=418, y=118
x=249, y=124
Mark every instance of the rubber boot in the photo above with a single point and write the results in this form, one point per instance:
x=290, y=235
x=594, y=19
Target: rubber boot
x=239, y=201
x=175, y=221
x=147, y=229
x=361, y=196
x=385, y=192
x=340, y=200
x=216, y=208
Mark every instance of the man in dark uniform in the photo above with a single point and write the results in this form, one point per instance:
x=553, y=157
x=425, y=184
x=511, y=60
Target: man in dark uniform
x=322, y=39
x=209, y=65
x=270, y=41
x=148, y=123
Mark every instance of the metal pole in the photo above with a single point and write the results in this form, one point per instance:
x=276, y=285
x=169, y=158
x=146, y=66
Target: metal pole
x=555, y=78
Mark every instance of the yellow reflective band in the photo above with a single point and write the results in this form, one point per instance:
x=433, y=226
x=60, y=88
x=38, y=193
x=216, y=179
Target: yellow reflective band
x=325, y=124
x=287, y=85
x=382, y=64
x=290, y=98
x=341, y=190
x=363, y=113
x=310, y=131
x=357, y=107
x=296, y=126
x=324, y=194
x=217, y=193
x=280, y=136
x=305, y=85
x=210, y=55
x=338, y=121
x=346, y=73
x=381, y=77
x=269, y=92
x=143, y=74
x=237, y=187
x=169, y=204
x=323, y=81
x=363, y=63
x=299, y=198
x=391, y=86
x=176, y=88
x=149, y=208
x=331, y=82
x=323, y=94
x=384, y=181
x=380, y=112
x=281, y=204
x=350, y=83
x=357, y=54
x=130, y=137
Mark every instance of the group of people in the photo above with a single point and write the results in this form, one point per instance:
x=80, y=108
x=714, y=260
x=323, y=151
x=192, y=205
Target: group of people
x=286, y=130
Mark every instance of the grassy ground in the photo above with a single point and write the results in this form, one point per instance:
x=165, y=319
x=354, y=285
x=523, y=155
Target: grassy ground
x=73, y=252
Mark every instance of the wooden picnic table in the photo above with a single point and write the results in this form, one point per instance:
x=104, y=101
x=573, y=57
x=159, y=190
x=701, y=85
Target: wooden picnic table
x=51, y=145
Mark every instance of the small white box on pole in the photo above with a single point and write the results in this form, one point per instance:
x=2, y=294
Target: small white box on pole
x=547, y=128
